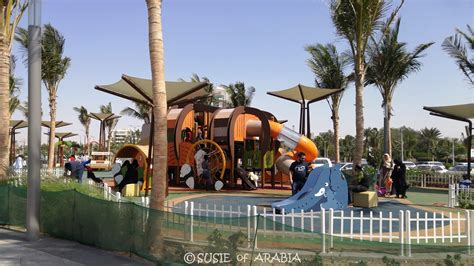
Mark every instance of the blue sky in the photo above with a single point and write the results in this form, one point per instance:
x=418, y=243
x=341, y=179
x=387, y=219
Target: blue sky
x=260, y=42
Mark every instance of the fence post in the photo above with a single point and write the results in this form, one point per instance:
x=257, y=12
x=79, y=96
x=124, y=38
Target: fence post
x=248, y=225
x=119, y=196
x=323, y=230
x=331, y=228
x=255, y=219
x=401, y=222
x=451, y=193
x=467, y=228
x=471, y=227
x=408, y=229
x=105, y=190
x=191, y=228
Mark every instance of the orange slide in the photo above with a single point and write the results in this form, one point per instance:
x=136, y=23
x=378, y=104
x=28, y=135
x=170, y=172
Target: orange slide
x=291, y=139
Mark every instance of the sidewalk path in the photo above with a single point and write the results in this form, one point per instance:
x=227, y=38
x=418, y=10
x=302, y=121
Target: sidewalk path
x=16, y=250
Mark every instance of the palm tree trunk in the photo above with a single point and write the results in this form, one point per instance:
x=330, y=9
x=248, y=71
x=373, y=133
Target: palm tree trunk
x=87, y=141
x=52, y=130
x=359, y=111
x=388, y=129
x=335, y=122
x=4, y=106
x=160, y=152
x=160, y=142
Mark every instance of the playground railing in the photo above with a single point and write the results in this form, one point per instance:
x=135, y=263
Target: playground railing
x=55, y=172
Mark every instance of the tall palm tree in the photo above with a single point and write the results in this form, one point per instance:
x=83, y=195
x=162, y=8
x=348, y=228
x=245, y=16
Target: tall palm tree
x=328, y=67
x=212, y=100
x=431, y=137
x=160, y=109
x=53, y=70
x=239, y=95
x=390, y=63
x=85, y=120
x=457, y=50
x=11, y=13
x=356, y=21
x=141, y=111
x=109, y=124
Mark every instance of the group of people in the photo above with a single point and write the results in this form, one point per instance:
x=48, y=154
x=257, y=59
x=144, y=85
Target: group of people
x=391, y=177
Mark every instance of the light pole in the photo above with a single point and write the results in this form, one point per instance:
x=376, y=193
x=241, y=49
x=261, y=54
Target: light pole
x=454, y=140
x=401, y=138
x=34, y=120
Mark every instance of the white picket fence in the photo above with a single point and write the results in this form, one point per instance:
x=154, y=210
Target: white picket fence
x=404, y=227
x=457, y=195
x=55, y=172
x=433, y=179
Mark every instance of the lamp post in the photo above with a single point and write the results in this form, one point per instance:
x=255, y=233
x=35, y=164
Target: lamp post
x=401, y=140
x=34, y=120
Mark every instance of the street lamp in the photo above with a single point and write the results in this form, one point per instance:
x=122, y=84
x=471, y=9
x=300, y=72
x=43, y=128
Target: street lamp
x=34, y=120
x=401, y=139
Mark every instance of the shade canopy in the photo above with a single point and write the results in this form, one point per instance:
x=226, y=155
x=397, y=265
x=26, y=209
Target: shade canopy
x=140, y=90
x=301, y=93
x=102, y=116
x=460, y=111
x=63, y=135
x=58, y=124
x=18, y=124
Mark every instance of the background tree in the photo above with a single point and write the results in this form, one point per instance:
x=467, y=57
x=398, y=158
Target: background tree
x=211, y=100
x=431, y=138
x=456, y=49
x=11, y=14
x=109, y=124
x=85, y=120
x=239, y=95
x=373, y=142
x=141, y=112
x=53, y=70
x=328, y=67
x=347, y=148
x=356, y=21
x=14, y=103
x=390, y=63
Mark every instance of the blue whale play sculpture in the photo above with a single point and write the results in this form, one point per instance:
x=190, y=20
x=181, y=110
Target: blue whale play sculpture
x=325, y=188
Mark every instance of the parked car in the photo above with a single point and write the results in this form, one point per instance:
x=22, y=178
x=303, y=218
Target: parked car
x=321, y=162
x=431, y=168
x=459, y=169
x=409, y=165
x=431, y=163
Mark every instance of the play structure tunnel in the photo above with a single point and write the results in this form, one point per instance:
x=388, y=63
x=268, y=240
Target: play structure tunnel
x=292, y=140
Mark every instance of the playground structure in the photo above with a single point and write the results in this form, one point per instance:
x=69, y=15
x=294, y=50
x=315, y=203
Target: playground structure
x=237, y=140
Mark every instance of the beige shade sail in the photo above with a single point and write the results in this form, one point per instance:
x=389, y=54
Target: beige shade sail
x=102, y=116
x=140, y=90
x=300, y=93
x=63, y=135
x=463, y=111
x=58, y=124
x=18, y=124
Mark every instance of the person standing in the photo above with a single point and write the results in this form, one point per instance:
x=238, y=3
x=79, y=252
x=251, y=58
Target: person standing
x=298, y=172
x=399, y=178
x=385, y=171
x=206, y=173
x=18, y=164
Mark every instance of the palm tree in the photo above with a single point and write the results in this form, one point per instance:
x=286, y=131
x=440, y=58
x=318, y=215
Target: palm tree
x=141, y=111
x=347, y=147
x=85, y=121
x=15, y=83
x=356, y=21
x=390, y=63
x=239, y=95
x=53, y=70
x=431, y=137
x=328, y=67
x=160, y=109
x=11, y=13
x=453, y=46
x=109, y=124
x=373, y=146
x=212, y=100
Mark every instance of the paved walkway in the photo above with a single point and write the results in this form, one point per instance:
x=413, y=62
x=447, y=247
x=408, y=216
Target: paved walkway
x=16, y=250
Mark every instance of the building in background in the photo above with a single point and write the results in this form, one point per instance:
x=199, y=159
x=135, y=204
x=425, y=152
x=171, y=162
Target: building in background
x=121, y=135
x=221, y=97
